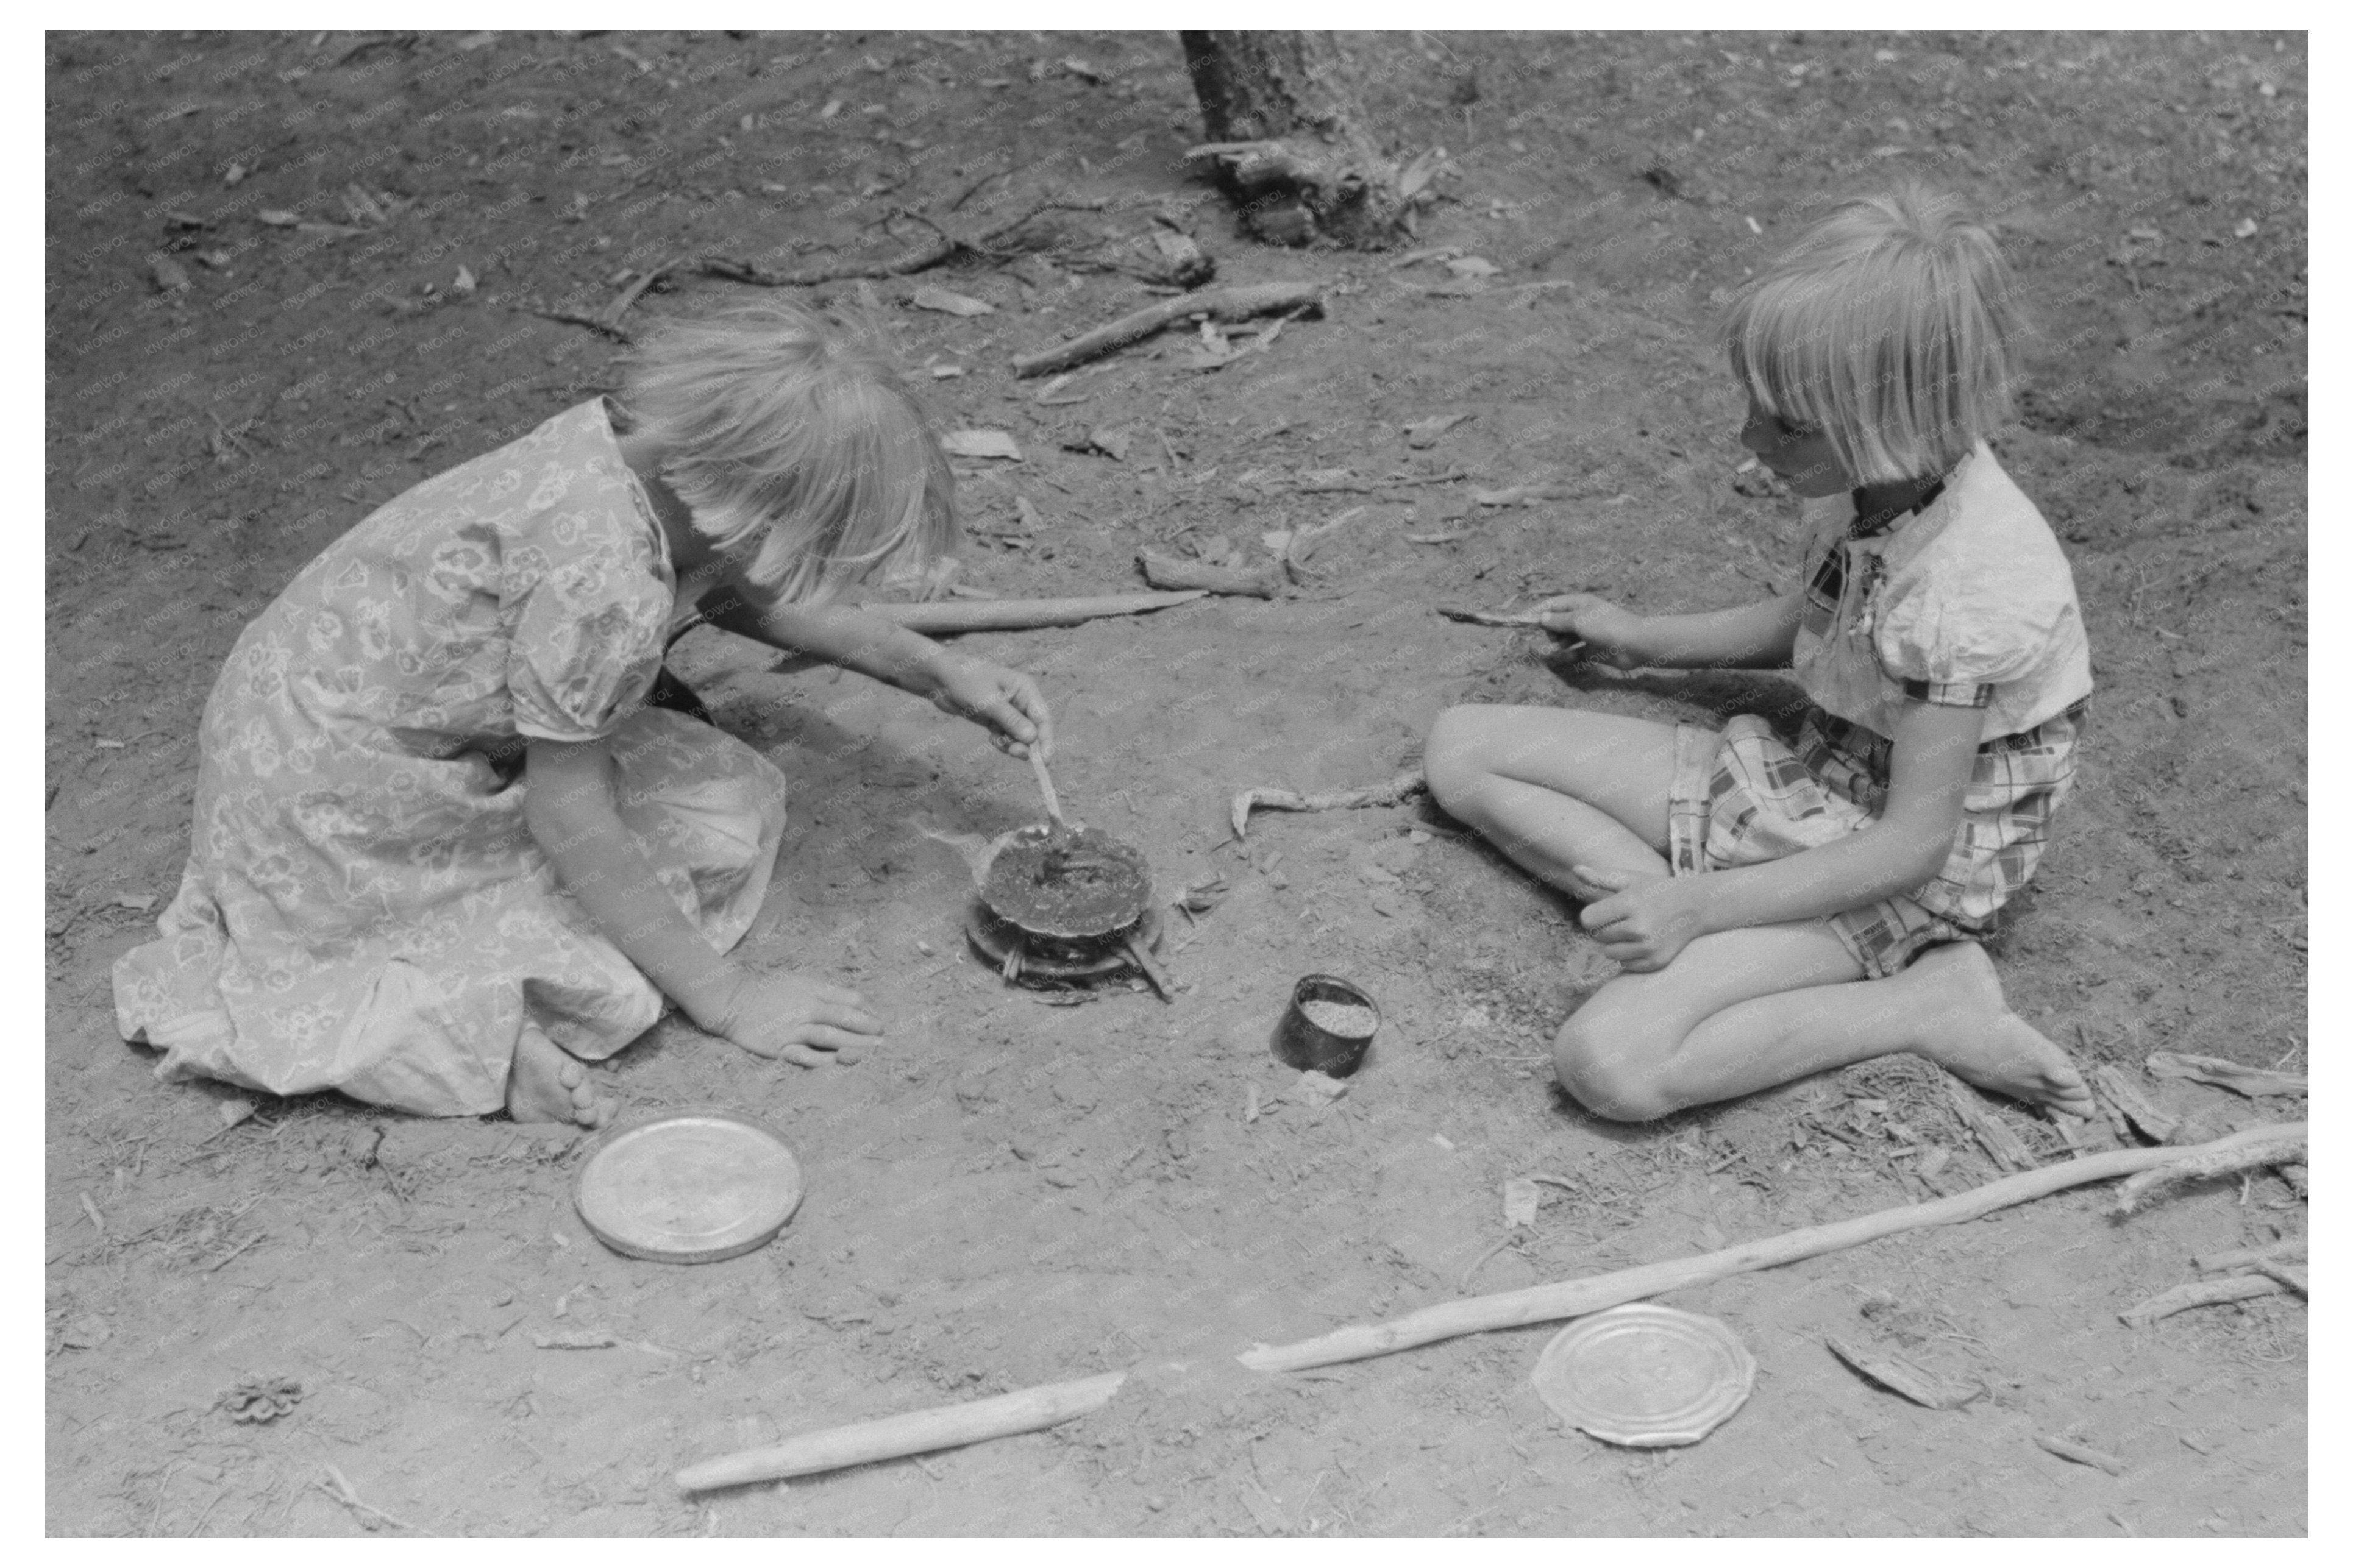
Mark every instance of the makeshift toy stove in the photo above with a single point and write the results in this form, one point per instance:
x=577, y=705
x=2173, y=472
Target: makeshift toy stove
x=1066, y=906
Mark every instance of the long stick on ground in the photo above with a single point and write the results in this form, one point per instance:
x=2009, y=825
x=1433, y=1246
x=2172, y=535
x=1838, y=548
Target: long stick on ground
x=1236, y=304
x=1575, y=1298
x=895, y=1436
x=945, y=619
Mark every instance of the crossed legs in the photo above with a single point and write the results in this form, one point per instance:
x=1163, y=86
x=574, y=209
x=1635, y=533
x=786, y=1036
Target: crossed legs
x=1736, y=1010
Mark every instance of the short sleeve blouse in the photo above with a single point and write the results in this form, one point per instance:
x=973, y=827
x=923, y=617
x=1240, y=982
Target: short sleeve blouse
x=1968, y=602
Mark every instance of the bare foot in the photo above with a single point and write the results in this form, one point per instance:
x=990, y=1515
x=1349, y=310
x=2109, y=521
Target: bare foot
x=1973, y=1034
x=547, y=1084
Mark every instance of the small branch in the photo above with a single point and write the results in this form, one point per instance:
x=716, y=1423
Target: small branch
x=1238, y=303
x=1397, y=790
x=1576, y=1298
x=2200, y=1293
x=897, y=1437
x=628, y=296
x=1169, y=571
x=597, y=324
x=2275, y=1145
x=946, y=248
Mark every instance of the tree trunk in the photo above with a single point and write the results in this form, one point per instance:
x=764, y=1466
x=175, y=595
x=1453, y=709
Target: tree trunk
x=1291, y=141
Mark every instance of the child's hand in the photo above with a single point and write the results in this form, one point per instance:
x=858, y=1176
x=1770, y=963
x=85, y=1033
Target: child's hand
x=1608, y=632
x=1643, y=923
x=1003, y=702
x=806, y=1021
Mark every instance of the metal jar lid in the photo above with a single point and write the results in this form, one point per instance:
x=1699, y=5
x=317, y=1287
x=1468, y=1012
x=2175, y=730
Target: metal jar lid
x=1645, y=1376
x=690, y=1186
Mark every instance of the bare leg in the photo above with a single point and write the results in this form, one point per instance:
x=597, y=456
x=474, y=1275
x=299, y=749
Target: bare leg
x=1555, y=787
x=547, y=1084
x=1741, y=1011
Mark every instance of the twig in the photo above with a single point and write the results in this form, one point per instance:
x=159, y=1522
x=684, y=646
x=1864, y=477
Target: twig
x=1463, y=1284
x=1575, y=1298
x=2200, y=1293
x=917, y=1432
x=945, y=247
x=597, y=324
x=2260, y=1146
x=1233, y=304
x=628, y=296
x=1397, y=790
x=2292, y=1250
x=342, y=1491
x=218, y=1264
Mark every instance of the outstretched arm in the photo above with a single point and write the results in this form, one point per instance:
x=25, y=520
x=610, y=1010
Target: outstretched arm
x=1745, y=636
x=1644, y=925
x=1006, y=702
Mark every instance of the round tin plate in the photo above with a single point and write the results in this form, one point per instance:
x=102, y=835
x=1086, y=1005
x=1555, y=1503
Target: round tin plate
x=691, y=1186
x=1645, y=1376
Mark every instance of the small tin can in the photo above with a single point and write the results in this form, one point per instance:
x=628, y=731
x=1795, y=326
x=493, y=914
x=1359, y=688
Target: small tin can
x=1327, y=1027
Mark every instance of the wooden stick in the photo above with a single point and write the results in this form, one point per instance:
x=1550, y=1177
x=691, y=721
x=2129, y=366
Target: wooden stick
x=1169, y=571
x=2292, y=1250
x=1575, y=1298
x=1493, y=617
x=1235, y=304
x=1397, y=790
x=2213, y=1159
x=2200, y=1293
x=944, y=620
x=895, y=1436
x=1046, y=785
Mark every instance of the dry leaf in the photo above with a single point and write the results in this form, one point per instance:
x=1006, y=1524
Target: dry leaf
x=464, y=284
x=277, y=219
x=1473, y=267
x=1521, y=1198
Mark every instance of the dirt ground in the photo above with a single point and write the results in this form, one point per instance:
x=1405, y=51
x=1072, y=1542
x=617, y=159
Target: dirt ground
x=1011, y=1191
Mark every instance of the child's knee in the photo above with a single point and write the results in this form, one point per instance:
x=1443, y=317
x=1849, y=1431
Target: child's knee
x=1600, y=1074
x=1453, y=754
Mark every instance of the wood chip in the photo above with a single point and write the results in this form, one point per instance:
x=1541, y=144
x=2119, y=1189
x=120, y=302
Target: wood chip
x=2129, y=1108
x=1898, y=1375
x=2076, y=1453
x=980, y=444
x=575, y=1342
x=1521, y=1196
x=2008, y=1150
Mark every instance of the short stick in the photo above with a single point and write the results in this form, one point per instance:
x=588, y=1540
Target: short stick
x=895, y=1436
x=1575, y=1298
x=1235, y=304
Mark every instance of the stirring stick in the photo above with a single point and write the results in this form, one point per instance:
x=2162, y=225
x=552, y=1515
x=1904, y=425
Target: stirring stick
x=1046, y=785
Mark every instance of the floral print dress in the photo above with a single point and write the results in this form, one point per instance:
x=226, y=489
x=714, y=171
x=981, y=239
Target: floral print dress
x=364, y=908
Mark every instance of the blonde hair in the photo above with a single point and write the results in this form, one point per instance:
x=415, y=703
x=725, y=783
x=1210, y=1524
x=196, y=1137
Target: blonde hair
x=796, y=445
x=1889, y=328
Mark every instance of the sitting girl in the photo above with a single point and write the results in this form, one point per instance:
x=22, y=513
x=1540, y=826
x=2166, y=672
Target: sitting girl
x=1781, y=912
x=451, y=841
